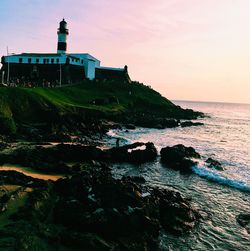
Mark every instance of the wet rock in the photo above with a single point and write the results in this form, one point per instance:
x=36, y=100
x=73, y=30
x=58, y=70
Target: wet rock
x=52, y=158
x=17, y=178
x=93, y=210
x=140, y=156
x=215, y=164
x=95, y=202
x=135, y=153
x=190, y=123
x=158, y=123
x=100, y=203
x=170, y=123
x=176, y=213
x=244, y=220
x=136, y=179
x=179, y=157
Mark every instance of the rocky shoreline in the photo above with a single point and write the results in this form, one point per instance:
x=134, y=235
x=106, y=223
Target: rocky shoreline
x=93, y=210
x=88, y=207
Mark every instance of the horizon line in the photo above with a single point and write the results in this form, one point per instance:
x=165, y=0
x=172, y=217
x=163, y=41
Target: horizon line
x=202, y=101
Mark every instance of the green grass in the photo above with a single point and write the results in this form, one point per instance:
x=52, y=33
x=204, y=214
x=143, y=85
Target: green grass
x=32, y=105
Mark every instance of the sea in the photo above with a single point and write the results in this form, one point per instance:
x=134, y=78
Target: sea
x=219, y=195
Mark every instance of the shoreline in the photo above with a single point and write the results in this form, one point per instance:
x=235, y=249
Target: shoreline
x=143, y=196
x=99, y=157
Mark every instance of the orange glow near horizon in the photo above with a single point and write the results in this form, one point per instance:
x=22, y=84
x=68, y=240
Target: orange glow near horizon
x=187, y=50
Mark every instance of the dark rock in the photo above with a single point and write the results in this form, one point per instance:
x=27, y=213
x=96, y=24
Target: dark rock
x=59, y=137
x=130, y=153
x=190, y=123
x=176, y=213
x=214, y=164
x=179, y=157
x=17, y=178
x=158, y=123
x=178, y=151
x=170, y=123
x=140, y=156
x=136, y=179
x=94, y=211
x=244, y=220
x=52, y=158
x=97, y=201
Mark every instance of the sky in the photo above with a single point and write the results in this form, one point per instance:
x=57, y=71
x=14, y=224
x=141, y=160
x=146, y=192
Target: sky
x=185, y=49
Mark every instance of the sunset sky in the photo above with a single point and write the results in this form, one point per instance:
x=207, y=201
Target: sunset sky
x=185, y=49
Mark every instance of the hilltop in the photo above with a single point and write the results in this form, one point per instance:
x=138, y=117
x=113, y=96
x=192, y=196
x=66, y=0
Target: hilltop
x=84, y=103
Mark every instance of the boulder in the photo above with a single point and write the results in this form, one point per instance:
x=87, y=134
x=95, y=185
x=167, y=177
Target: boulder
x=244, y=220
x=177, y=216
x=190, y=123
x=140, y=156
x=215, y=164
x=170, y=123
x=179, y=157
x=135, y=153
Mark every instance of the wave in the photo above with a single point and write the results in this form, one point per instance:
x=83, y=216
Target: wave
x=216, y=177
x=115, y=134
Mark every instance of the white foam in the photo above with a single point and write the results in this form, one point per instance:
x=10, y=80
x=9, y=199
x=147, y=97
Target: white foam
x=116, y=134
x=219, y=178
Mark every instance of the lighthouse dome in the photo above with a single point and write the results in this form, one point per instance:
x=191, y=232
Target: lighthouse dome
x=63, y=24
x=63, y=27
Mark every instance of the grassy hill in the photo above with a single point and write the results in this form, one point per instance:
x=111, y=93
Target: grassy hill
x=97, y=99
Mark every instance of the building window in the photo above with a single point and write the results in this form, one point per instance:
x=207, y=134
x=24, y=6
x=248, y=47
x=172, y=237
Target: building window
x=20, y=60
x=52, y=60
x=57, y=60
x=37, y=60
x=82, y=61
x=29, y=60
x=44, y=60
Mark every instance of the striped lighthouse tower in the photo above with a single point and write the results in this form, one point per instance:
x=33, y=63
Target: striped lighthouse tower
x=62, y=37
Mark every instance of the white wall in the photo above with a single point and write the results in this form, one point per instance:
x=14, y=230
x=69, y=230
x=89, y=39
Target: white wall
x=89, y=62
x=86, y=57
x=90, y=70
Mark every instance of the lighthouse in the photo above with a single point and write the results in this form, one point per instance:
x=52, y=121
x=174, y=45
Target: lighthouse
x=62, y=37
x=57, y=67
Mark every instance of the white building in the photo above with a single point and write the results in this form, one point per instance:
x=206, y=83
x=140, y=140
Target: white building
x=85, y=60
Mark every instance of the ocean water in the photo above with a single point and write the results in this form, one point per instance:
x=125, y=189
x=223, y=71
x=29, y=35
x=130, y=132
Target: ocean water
x=220, y=195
